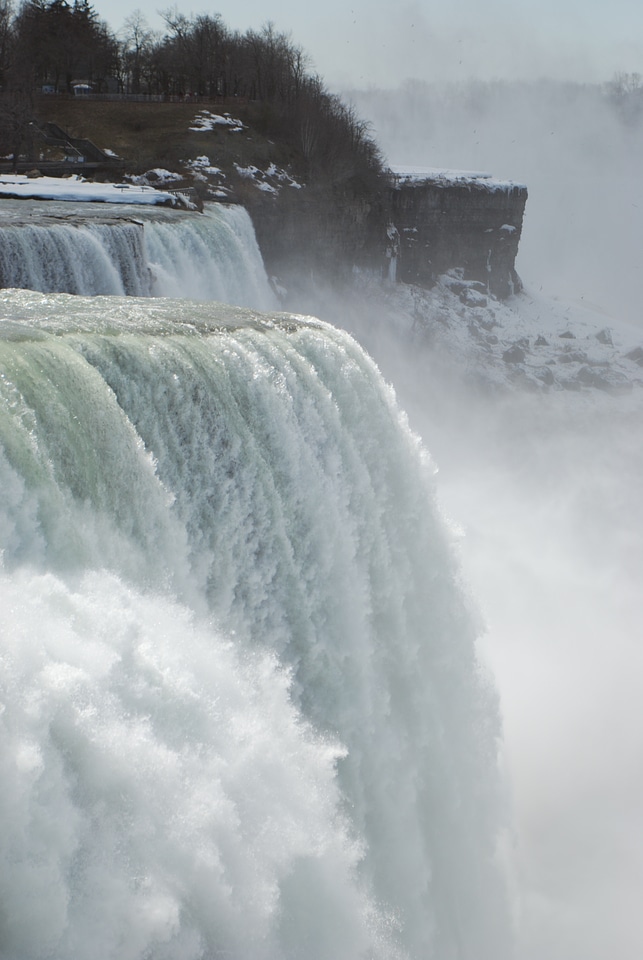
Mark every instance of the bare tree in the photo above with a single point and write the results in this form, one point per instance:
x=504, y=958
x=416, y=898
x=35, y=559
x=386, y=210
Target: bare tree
x=6, y=38
x=136, y=46
x=62, y=43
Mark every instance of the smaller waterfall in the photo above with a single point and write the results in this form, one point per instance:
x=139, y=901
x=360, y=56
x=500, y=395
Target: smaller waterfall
x=129, y=251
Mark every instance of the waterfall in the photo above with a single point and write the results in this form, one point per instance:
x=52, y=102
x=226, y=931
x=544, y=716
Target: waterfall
x=134, y=251
x=241, y=713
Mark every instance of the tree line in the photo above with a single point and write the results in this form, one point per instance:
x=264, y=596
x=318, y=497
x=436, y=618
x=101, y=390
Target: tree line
x=52, y=45
x=55, y=44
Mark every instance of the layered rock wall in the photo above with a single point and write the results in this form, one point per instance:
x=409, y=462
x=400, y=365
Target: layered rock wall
x=468, y=221
x=413, y=229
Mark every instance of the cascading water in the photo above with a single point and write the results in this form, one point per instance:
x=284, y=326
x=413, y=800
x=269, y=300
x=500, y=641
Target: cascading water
x=240, y=710
x=134, y=251
x=164, y=784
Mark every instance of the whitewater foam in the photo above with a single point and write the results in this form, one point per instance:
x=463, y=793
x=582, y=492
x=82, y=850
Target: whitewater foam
x=243, y=714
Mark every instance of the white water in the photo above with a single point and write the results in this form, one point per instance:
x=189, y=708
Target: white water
x=241, y=710
x=98, y=249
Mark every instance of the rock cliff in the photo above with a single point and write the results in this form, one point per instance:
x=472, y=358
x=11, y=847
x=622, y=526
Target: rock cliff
x=414, y=228
x=449, y=219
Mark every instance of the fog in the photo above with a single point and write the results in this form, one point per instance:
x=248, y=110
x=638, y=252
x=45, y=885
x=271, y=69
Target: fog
x=546, y=491
x=579, y=154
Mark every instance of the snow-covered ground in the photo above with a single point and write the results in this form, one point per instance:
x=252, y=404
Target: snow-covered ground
x=446, y=177
x=75, y=188
x=206, y=120
x=529, y=342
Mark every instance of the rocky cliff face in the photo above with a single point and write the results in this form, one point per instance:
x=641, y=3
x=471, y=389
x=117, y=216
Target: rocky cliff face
x=413, y=229
x=458, y=220
x=314, y=233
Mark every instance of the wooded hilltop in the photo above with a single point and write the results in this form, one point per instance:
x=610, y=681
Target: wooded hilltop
x=52, y=47
x=139, y=95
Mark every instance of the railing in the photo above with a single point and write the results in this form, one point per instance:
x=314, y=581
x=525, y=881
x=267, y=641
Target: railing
x=148, y=98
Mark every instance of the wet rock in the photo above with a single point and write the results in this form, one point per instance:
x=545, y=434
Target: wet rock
x=605, y=336
x=473, y=298
x=636, y=355
x=590, y=378
x=567, y=335
x=545, y=375
x=514, y=354
x=573, y=356
x=475, y=332
x=540, y=342
x=488, y=321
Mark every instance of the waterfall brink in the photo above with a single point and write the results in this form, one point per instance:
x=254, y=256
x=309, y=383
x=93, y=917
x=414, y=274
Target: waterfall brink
x=241, y=714
x=135, y=251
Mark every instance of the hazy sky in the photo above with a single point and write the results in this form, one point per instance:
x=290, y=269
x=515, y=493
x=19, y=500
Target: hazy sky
x=373, y=42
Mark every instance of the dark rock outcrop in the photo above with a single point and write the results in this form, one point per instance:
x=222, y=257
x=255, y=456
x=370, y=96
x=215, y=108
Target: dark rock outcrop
x=410, y=230
x=453, y=220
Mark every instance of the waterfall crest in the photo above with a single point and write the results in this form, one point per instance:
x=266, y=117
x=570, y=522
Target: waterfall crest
x=134, y=251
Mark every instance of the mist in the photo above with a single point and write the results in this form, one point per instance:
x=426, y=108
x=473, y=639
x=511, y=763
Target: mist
x=577, y=148
x=545, y=491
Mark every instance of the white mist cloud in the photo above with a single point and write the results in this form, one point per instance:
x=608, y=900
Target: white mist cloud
x=548, y=491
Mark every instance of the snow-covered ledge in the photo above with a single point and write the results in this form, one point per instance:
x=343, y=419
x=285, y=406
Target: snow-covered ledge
x=75, y=188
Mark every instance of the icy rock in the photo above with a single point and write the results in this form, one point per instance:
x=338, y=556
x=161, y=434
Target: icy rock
x=476, y=333
x=574, y=356
x=540, y=342
x=636, y=355
x=473, y=298
x=568, y=335
x=545, y=375
x=605, y=336
x=488, y=322
x=514, y=354
x=590, y=378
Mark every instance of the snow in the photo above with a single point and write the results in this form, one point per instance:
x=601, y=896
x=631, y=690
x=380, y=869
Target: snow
x=435, y=173
x=270, y=180
x=154, y=176
x=205, y=120
x=278, y=174
x=414, y=176
x=529, y=341
x=203, y=170
x=202, y=164
x=75, y=188
x=249, y=172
